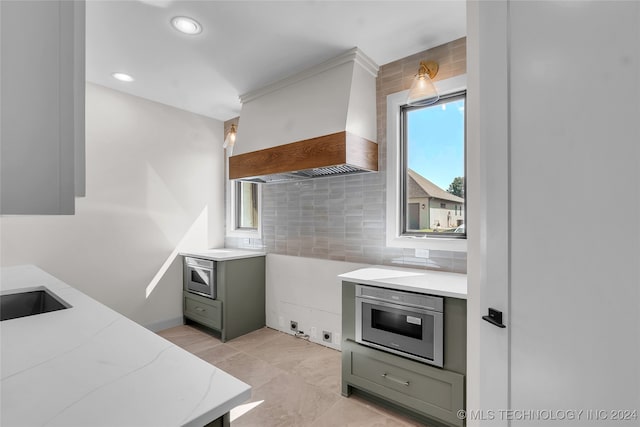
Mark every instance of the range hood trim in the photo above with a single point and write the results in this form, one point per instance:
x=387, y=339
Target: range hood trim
x=341, y=153
x=352, y=55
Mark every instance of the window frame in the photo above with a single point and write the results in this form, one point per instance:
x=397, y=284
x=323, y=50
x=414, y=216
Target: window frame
x=404, y=164
x=232, y=229
x=394, y=220
x=238, y=201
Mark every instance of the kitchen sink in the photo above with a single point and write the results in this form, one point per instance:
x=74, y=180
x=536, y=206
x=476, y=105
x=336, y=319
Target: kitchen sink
x=29, y=303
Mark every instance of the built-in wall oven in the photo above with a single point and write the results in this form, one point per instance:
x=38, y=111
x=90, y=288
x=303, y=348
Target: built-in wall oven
x=200, y=276
x=404, y=323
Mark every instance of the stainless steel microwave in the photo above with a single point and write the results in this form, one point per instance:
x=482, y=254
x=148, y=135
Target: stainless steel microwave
x=404, y=323
x=200, y=277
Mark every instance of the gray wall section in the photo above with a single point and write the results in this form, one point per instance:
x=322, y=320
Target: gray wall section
x=339, y=218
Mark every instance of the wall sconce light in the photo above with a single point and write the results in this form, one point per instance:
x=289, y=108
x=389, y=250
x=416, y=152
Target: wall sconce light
x=422, y=91
x=230, y=139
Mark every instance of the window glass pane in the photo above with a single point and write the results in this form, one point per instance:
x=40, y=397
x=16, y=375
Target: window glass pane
x=434, y=168
x=246, y=205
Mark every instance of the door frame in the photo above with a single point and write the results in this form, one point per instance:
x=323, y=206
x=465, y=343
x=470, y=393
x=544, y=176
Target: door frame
x=488, y=171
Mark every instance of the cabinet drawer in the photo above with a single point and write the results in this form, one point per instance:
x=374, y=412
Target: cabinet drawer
x=203, y=310
x=436, y=393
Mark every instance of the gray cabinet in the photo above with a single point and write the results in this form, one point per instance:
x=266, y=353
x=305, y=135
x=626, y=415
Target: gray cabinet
x=427, y=392
x=42, y=106
x=240, y=304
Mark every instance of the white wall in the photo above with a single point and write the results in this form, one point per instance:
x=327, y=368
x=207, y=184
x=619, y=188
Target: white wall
x=308, y=291
x=573, y=314
x=154, y=184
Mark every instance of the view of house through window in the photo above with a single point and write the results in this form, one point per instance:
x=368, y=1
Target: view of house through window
x=246, y=205
x=434, y=168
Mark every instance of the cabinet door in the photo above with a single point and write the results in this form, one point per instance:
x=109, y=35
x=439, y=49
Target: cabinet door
x=203, y=310
x=42, y=106
x=428, y=391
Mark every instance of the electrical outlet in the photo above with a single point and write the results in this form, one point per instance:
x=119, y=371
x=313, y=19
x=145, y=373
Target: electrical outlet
x=422, y=253
x=337, y=337
x=326, y=336
x=314, y=332
x=294, y=326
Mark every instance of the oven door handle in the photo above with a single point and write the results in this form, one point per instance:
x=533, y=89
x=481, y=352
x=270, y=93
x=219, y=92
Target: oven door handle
x=395, y=380
x=406, y=308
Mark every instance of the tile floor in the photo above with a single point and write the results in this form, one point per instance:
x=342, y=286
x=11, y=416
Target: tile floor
x=295, y=382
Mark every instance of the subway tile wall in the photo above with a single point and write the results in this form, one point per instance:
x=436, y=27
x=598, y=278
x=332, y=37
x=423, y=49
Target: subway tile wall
x=343, y=218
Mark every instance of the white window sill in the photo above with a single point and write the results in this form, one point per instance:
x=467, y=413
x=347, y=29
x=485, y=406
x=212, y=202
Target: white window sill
x=432, y=243
x=249, y=234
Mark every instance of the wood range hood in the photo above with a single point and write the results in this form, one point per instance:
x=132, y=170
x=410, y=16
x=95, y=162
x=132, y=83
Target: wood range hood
x=318, y=123
x=341, y=153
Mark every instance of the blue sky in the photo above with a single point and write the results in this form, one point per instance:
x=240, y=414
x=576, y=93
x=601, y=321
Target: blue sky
x=436, y=142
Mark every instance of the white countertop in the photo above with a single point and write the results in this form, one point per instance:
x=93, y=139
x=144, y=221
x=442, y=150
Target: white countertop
x=441, y=283
x=90, y=366
x=223, y=254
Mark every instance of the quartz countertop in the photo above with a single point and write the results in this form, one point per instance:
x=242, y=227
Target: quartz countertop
x=440, y=283
x=90, y=366
x=223, y=254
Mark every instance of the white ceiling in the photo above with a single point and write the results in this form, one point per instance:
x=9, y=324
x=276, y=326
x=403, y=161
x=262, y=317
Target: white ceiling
x=248, y=44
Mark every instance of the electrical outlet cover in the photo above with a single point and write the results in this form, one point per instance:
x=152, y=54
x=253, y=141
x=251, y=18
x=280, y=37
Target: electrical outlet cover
x=422, y=253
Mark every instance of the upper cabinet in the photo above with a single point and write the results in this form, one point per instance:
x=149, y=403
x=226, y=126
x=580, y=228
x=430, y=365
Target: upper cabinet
x=42, y=106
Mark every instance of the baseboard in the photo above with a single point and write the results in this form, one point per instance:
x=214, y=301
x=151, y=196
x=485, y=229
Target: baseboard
x=165, y=324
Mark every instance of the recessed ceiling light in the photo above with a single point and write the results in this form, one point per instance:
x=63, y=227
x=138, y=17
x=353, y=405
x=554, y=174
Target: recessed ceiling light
x=123, y=77
x=186, y=25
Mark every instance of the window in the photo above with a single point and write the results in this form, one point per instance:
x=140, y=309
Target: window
x=426, y=170
x=246, y=205
x=243, y=209
x=432, y=147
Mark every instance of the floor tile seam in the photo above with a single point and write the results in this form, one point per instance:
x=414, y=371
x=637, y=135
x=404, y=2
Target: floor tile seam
x=202, y=357
x=299, y=367
x=239, y=349
x=206, y=349
x=328, y=410
x=383, y=416
x=384, y=412
x=297, y=362
x=298, y=409
x=260, y=354
x=269, y=364
x=185, y=330
x=203, y=339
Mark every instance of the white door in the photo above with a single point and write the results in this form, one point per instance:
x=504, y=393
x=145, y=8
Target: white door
x=553, y=108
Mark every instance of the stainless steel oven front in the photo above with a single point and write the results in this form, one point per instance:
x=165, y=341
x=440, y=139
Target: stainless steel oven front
x=200, y=276
x=404, y=323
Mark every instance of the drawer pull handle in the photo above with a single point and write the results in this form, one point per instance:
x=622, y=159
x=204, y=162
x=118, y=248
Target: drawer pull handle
x=200, y=309
x=395, y=380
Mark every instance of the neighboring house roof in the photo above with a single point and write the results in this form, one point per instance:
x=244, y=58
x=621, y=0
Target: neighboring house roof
x=422, y=187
